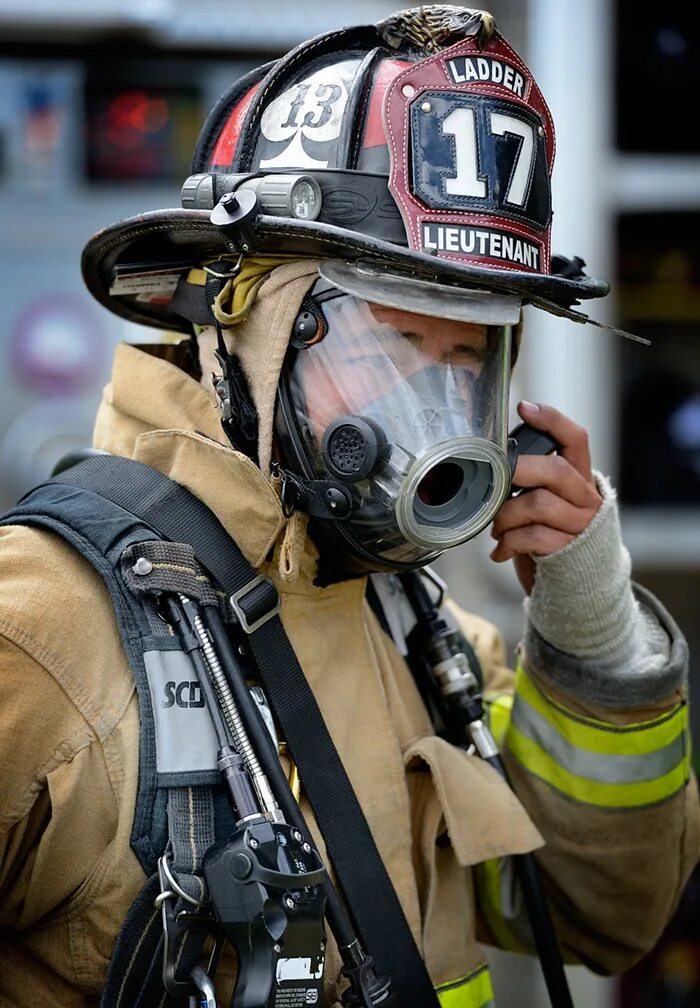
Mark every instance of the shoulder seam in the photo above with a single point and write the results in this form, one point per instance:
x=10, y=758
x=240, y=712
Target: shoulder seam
x=64, y=753
x=94, y=717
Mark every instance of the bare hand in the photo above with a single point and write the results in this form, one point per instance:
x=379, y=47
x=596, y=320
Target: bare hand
x=563, y=505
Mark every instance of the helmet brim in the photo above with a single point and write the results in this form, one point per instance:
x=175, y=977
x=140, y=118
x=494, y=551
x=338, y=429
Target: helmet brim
x=173, y=241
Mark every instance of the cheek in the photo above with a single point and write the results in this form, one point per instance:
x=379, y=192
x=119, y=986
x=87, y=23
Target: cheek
x=324, y=401
x=348, y=388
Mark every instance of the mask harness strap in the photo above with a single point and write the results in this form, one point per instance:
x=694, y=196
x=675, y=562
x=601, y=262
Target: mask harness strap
x=195, y=300
x=448, y=676
x=239, y=418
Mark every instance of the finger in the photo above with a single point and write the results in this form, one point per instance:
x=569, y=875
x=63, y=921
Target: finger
x=533, y=540
x=558, y=475
x=541, y=507
x=571, y=436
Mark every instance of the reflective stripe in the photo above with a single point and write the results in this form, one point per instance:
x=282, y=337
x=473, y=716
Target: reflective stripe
x=601, y=736
x=500, y=902
x=473, y=990
x=615, y=766
x=499, y=706
x=604, y=767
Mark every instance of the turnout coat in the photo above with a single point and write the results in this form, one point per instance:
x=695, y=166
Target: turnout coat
x=615, y=848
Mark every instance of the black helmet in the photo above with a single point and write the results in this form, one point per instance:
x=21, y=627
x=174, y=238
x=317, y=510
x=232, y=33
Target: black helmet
x=420, y=147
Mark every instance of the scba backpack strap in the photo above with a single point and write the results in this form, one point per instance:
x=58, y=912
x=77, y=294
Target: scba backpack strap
x=171, y=512
x=180, y=807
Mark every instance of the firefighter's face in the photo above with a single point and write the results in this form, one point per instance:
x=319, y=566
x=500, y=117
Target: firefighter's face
x=381, y=349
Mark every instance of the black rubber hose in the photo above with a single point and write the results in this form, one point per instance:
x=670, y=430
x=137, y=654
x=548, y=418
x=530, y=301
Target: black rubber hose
x=543, y=932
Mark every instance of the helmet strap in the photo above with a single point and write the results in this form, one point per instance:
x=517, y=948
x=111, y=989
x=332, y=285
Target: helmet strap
x=239, y=418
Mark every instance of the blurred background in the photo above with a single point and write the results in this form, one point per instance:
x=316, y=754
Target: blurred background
x=100, y=105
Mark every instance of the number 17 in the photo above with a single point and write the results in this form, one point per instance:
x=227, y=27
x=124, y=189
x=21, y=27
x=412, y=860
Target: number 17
x=461, y=124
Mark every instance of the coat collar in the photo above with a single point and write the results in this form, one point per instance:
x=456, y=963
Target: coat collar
x=156, y=413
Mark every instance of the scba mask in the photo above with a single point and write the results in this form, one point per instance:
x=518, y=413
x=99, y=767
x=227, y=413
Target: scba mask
x=406, y=412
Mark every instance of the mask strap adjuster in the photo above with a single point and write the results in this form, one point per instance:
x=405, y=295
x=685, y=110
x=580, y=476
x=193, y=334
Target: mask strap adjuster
x=318, y=498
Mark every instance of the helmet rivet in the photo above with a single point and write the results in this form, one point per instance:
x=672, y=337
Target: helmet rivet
x=408, y=90
x=142, y=566
x=540, y=131
x=426, y=107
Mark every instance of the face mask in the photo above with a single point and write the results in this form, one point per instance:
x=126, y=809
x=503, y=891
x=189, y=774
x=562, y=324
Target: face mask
x=410, y=413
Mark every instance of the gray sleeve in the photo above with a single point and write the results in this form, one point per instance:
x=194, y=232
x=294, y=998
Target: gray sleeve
x=592, y=631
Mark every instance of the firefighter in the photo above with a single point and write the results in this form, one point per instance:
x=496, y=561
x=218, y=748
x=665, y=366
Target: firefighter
x=365, y=219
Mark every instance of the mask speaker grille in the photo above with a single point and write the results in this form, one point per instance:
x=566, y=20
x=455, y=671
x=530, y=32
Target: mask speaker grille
x=351, y=447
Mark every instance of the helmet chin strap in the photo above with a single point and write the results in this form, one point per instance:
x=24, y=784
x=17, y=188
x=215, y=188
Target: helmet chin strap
x=239, y=418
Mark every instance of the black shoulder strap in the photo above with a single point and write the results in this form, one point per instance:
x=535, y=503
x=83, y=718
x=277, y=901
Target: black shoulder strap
x=178, y=515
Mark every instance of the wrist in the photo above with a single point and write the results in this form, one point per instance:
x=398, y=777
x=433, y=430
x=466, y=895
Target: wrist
x=582, y=601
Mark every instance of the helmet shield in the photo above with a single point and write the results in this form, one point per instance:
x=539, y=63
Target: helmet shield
x=395, y=290
x=411, y=412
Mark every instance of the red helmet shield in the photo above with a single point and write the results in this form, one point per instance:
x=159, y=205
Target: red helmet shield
x=471, y=145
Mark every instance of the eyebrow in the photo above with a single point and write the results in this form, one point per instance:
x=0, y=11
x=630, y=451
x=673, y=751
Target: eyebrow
x=477, y=353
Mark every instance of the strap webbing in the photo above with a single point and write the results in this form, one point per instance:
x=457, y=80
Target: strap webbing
x=175, y=513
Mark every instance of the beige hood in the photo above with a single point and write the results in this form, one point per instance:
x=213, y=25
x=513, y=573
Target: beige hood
x=260, y=342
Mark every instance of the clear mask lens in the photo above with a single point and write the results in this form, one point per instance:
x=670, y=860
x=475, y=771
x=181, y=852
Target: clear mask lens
x=412, y=411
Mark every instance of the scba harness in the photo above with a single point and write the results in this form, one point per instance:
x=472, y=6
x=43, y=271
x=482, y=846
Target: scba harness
x=272, y=885
x=217, y=830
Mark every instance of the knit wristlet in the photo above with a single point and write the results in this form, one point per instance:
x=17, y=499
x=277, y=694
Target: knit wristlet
x=590, y=630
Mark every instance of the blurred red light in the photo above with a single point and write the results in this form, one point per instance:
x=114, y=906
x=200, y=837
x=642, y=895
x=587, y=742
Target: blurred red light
x=132, y=114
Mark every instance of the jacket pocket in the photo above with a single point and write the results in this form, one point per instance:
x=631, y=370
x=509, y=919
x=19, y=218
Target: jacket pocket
x=483, y=817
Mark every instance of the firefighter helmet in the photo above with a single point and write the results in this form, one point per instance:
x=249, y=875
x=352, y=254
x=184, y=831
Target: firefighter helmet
x=419, y=148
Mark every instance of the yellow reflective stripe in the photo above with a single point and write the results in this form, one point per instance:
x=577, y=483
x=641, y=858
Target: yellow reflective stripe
x=488, y=885
x=600, y=736
x=473, y=990
x=198, y=277
x=648, y=762
x=535, y=759
x=499, y=706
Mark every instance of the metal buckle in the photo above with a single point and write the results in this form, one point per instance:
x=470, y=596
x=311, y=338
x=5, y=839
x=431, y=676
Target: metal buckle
x=202, y=980
x=167, y=877
x=224, y=276
x=175, y=928
x=235, y=599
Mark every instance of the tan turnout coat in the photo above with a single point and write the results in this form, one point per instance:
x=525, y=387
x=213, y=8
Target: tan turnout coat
x=70, y=726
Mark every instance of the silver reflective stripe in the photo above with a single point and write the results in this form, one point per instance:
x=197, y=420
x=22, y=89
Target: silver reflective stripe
x=601, y=767
x=512, y=903
x=185, y=739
